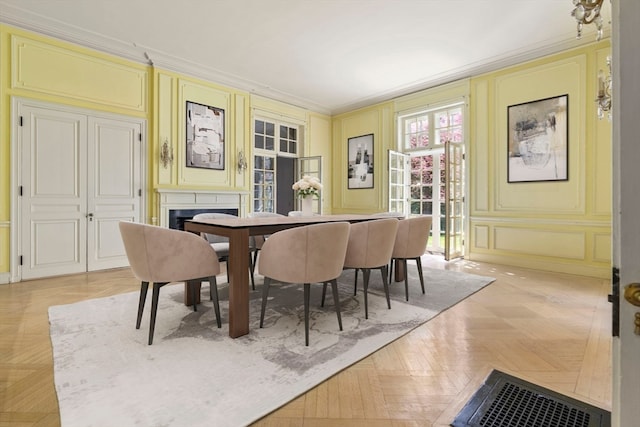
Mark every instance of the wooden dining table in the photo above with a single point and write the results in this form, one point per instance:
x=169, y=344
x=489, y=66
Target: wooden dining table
x=238, y=231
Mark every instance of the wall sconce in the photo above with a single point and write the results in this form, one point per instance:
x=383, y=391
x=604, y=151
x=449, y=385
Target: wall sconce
x=603, y=101
x=587, y=12
x=166, y=154
x=242, y=161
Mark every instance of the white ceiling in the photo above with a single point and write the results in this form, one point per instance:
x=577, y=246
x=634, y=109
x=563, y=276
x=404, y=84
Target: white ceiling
x=329, y=56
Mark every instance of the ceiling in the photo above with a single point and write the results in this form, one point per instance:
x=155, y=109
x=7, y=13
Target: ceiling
x=329, y=56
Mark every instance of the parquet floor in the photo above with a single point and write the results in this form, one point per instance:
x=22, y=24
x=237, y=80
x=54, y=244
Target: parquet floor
x=550, y=329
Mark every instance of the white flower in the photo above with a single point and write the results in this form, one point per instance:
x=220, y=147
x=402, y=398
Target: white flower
x=307, y=186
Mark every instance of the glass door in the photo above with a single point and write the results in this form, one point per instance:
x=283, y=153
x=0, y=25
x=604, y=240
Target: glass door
x=399, y=182
x=311, y=166
x=454, y=200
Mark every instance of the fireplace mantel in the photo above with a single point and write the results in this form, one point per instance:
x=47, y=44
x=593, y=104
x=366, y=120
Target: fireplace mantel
x=169, y=199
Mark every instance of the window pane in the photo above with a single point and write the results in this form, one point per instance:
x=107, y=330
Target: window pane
x=270, y=129
x=284, y=145
x=258, y=162
x=258, y=141
x=259, y=126
x=269, y=144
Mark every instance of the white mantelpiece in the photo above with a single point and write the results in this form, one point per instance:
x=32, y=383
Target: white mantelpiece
x=169, y=199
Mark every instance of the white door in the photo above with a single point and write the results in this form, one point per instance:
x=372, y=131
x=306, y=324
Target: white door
x=626, y=206
x=399, y=182
x=114, y=188
x=79, y=175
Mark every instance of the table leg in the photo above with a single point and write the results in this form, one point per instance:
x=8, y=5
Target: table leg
x=238, y=266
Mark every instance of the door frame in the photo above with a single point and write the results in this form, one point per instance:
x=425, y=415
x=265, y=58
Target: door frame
x=15, y=272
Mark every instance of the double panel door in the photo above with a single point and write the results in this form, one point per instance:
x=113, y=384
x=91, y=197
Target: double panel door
x=80, y=174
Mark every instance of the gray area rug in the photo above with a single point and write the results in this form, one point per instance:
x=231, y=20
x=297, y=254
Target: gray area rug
x=195, y=375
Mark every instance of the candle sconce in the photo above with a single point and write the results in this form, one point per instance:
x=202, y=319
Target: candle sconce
x=603, y=101
x=242, y=161
x=166, y=154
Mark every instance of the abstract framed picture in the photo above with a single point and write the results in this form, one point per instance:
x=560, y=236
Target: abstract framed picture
x=537, y=148
x=360, y=161
x=204, y=136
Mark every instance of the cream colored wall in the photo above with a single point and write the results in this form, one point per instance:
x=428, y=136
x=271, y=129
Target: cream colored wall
x=38, y=67
x=555, y=225
x=377, y=120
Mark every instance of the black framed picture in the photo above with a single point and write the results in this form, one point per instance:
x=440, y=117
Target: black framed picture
x=204, y=136
x=538, y=134
x=360, y=161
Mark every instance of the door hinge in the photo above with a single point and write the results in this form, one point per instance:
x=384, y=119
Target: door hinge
x=20, y=259
x=20, y=120
x=614, y=298
x=140, y=137
x=139, y=192
x=20, y=190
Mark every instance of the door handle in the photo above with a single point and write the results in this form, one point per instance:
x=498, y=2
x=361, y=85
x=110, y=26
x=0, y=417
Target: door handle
x=632, y=293
x=90, y=216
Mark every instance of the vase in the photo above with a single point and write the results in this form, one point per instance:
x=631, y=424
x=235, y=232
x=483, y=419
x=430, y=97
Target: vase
x=306, y=205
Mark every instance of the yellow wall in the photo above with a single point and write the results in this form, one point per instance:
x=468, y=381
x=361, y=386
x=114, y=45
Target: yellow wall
x=41, y=68
x=556, y=226
x=561, y=225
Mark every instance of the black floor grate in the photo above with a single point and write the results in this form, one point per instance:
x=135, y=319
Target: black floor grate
x=506, y=401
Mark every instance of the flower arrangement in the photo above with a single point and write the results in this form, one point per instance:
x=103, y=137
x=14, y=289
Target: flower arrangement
x=307, y=186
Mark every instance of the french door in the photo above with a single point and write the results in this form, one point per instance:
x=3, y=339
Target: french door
x=79, y=175
x=431, y=182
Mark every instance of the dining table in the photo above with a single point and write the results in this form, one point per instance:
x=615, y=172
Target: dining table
x=239, y=230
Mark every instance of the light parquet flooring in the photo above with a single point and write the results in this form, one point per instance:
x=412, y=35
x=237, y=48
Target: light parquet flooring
x=550, y=329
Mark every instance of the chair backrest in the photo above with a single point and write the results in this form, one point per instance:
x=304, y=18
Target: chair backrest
x=158, y=254
x=412, y=237
x=371, y=243
x=295, y=213
x=213, y=238
x=256, y=242
x=308, y=254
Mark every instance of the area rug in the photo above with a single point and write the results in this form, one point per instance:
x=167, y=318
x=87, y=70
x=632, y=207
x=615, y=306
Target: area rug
x=195, y=375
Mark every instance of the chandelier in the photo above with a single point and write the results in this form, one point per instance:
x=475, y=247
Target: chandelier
x=587, y=12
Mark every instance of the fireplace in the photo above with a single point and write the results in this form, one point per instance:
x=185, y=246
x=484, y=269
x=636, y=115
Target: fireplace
x=176, y=206
x=177, y=217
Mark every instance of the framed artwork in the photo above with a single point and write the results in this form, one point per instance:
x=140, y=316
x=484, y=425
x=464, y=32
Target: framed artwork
x=360, y=164
x=538, y=134
x=204, y=136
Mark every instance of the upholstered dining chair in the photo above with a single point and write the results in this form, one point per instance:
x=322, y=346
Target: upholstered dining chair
x=370, y=247
x=161, y=256
x=411, y=243
x=308, y=254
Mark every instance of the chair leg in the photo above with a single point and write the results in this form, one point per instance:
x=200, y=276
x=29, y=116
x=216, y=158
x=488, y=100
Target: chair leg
x=334, y=288
x=307, y=296
x=365, y=278
x=154, y=309
x=213, y=291
x=391, y=269
x=324, y=293
x=143, y=296
x=265, y=295
x=383, y=272
x=406, y=278
x=419, y=264
x=355, y=283
x=252, y=267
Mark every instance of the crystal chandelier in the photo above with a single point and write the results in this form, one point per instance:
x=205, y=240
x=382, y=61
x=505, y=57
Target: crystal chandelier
x=587, y=12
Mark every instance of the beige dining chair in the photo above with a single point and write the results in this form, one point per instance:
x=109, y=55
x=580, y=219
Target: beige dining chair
x=256, y=242
x=308, y=254
x=369, y=248
x=411, y=243
x=161, y=256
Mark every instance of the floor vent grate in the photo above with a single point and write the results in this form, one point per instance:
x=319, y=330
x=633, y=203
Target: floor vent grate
x=506, y=401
